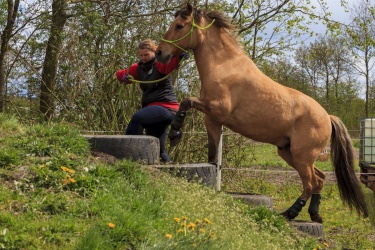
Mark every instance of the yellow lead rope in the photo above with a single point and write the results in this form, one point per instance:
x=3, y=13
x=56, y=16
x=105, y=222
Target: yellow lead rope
x=131, y=78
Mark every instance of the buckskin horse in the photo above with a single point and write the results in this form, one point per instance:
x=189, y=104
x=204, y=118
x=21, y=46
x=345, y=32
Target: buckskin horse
x=236, y=94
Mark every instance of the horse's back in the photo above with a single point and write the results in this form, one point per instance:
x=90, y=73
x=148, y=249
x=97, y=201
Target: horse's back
x=267, y=111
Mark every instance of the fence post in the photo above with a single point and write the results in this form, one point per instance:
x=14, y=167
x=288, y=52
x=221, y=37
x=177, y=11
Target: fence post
x=219, y=161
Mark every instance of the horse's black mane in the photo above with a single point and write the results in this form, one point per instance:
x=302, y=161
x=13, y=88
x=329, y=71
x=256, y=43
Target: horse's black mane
x=221, y=21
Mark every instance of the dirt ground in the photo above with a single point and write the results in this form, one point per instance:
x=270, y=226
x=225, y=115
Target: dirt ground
x=103, y=157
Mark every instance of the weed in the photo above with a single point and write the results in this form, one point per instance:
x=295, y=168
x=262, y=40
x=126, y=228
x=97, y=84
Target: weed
x=9, y=156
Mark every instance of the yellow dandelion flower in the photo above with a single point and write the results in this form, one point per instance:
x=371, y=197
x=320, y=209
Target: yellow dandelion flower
x=111, y=225
x=184, y=217
x=197, y=221
x=41, y=166
x=72, y=180
x=168, y=236
x=177, y=220
x=202, y=230
x=183, y=224
x=207, y=221
x=212, y=235
x=191, y=226
x=65, y=181
x=179, y=231
x=326, y=244
x=65, y=169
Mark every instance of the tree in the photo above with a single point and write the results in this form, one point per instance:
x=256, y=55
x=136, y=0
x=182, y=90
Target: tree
x=101, y=38
x=309, y=67
x=342, y=62
x=5, y=37
x=55, y=41
x=361, y=37
x=272, y=27
x=70, y=57
x=327, y=63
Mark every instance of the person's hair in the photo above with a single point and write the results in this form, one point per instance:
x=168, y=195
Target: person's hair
x=148, y=44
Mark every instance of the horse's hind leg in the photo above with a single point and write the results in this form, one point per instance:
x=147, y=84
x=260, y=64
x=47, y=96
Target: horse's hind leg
x=312, y=183
x=294, y=210
x=315, y=198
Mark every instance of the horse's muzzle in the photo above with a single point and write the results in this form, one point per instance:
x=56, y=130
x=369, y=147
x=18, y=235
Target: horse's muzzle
x=161, y=57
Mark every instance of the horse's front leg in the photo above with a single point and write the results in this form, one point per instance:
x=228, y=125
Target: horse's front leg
x=213, y=134
x=207, y=106
x=175, y=133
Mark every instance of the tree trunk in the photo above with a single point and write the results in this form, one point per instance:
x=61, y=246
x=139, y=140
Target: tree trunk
x=367, y=70
x=47, y=90
x=5, y=37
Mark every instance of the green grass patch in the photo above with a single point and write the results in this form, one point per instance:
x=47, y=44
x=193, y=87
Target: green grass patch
x=54, y=195
x=265, y=155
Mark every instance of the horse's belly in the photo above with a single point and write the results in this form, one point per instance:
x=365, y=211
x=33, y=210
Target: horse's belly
x=258, y=133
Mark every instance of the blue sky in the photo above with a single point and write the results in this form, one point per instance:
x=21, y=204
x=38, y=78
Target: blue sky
x=338, y=14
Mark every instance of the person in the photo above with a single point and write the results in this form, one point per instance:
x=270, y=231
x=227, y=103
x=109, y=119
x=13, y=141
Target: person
x=159, y=102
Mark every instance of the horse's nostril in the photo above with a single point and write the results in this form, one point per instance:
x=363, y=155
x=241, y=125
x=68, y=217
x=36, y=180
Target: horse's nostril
x=158, y=52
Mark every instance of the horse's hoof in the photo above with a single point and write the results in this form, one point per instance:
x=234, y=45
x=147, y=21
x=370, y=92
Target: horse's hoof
x=316, y=218
x=174, y=142
x=286, y=215
x=174, y=137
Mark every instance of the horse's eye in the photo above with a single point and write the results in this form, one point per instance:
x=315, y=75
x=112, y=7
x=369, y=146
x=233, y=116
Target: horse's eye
x=179, y=26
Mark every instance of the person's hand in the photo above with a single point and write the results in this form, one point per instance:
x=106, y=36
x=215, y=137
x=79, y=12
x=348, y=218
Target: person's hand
x=122, y=76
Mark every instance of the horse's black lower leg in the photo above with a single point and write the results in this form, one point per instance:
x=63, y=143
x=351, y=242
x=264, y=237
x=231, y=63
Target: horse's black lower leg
x=294, y=210
x=175, y=133
x=314, y=208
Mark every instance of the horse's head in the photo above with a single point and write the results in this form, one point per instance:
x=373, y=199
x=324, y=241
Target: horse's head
x=179, y=37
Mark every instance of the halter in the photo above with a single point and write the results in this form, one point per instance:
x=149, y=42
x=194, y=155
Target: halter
x=194, y=25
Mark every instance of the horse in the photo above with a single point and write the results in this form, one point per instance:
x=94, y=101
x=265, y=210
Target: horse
x=236, y=94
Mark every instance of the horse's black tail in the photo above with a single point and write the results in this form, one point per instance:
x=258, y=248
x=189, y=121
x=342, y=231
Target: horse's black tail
x=342, y=153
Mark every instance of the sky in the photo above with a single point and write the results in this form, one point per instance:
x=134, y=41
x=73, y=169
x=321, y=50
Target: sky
x=338, y=14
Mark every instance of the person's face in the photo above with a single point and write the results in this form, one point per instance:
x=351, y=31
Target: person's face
x=146, y=55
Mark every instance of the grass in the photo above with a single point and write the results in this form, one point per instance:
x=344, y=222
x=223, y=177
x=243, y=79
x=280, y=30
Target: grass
x=54, y=195
x=343, y=228
x=266, y=155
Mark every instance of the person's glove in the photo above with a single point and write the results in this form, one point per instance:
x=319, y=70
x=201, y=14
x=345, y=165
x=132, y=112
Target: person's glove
x=122, y=76
x=185, y=55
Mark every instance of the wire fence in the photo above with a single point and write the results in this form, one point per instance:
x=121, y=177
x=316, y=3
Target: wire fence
x=203, y=147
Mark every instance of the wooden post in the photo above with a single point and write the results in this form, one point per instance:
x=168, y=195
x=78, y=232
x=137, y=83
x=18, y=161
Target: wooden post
x=219, y=161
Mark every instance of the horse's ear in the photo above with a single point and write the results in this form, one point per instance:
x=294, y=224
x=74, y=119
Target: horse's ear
x=189, y=7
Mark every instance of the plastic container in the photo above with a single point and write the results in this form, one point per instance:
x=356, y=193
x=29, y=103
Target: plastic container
x=367, y=143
